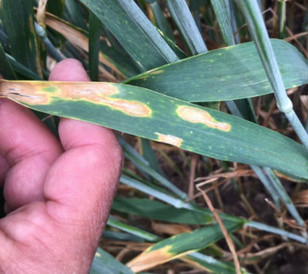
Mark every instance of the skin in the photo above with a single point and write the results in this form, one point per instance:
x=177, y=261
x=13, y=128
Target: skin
x=58, y=192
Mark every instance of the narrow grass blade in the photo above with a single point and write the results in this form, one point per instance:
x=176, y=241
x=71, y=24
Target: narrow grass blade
x=149, y=154
x=276, y=184
x=105, y=263
x=22, y=70
x=154, y=116
x=230, y=73
x=146, y=168
x=95, y=29
x=267, y=184
x=134, y=31
x=282, y=12
x=6, y=69
x=158, y=211
x=160, y=19
x=276, y=231
x=224, y=20
x=187, y=25
x=76, y=13
x=132, y=230
x=155, y=192
x=180, y=245
x=210, y=264
x=21, y=36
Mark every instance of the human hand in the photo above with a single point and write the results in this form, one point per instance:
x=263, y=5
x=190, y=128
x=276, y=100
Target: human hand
x=58, y=193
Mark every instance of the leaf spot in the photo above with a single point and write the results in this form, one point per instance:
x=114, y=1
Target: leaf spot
x=169, y=139
x=196, y=115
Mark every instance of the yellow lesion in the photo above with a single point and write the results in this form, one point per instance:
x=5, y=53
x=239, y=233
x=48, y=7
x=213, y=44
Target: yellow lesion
x=169, y=139
x=149, y=259
x=156, y=72
x=197, y=115
x=42, y=93
x=131, y=108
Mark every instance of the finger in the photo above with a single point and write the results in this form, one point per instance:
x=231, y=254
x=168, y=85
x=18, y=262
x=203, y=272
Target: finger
x=69, y=70
x=84, y=189
x=4, y=167
x=29, y=148
x=81, y=184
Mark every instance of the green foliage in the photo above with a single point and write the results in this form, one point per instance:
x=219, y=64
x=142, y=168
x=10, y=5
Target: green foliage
x=140, y=43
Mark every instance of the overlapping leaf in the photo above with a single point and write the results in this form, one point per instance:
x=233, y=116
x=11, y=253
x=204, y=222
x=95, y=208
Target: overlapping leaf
x=229, y=73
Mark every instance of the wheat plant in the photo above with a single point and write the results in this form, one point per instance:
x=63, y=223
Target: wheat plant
x=210, y=110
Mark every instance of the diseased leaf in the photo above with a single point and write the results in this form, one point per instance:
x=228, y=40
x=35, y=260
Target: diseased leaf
x=154, y=116
x=180, y=245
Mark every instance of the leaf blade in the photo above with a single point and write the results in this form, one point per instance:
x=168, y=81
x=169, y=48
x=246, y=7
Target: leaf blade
x=225, y=74
x=154, y=116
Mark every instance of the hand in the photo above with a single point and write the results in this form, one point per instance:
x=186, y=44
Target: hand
x=58, y=193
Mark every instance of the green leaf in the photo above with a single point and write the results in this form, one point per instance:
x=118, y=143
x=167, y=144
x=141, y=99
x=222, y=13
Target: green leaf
x=133, y=230
x=180, y=245
x=160, y=19
x=105, y=263
x=210, y=264
x=22, y=35
x=154, y=116
x=134, y=31
x=6, y=69
x=158, y=211
x=94, y=44
x=229, y=73
x=224, y=20
x=76, y=13
x=187, y=25
x=56, y=7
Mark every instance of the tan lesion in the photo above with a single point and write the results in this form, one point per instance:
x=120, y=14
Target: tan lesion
x=197, y=115
x=42, y=93
x=24, y=92
x=169, y=139
x=149, y=259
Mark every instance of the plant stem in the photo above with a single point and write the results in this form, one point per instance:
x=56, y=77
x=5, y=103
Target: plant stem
x=256, y=25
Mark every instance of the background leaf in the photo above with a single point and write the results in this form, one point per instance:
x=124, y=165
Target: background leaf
x=22, y=36
x=225, y=74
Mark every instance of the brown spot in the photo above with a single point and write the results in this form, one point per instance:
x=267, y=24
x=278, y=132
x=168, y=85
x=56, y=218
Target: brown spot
x=197, y=115
x=24, y=92
x=155, y=72
x=169, y=139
